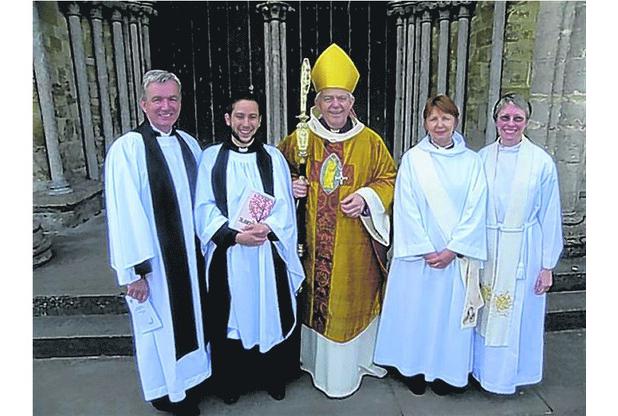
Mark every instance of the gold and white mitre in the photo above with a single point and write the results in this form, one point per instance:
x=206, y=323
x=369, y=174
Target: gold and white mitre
x=334, y=69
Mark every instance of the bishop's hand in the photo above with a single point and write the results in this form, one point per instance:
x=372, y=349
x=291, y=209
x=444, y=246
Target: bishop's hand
x=299, y=187
x=353, y=205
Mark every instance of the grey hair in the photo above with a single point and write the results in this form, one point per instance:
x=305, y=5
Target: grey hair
x=159, y=76
x=515, y=99
x=347, y=92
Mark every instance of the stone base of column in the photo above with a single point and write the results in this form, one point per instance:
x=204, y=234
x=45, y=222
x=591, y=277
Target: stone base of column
x=61, y=211
x=41, y=245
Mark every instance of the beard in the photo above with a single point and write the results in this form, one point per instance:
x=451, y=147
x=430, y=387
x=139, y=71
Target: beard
x=256, y=136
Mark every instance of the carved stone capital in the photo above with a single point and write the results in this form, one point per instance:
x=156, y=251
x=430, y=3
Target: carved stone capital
x=145, y=14
x=426, y=16
x=401, y=9
x=134, y=12
x=465, y=9
x=444, y=10
x=274, y=10
x=116, y=15
x=96, y=11
x=426, y=6
x=71, y=8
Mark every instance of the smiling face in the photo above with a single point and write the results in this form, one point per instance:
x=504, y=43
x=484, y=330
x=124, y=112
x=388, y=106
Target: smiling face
x=244, y=120
x=335, y=105
x=440, y=126
x=511, y=122
x=161, y=103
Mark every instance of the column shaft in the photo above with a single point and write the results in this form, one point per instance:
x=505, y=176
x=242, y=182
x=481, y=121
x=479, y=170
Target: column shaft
x=495, y=67
x=463, y=31
x=269, y=86
x=129, y=70
x=58, y=183
x=284, y=82
x=137, y=69
x=79, y=58
x=275, y=91
x=443, y=50
x=408, y=106
x=424, y=70
x=102, y=78
x=399, y=91
x=121, y=73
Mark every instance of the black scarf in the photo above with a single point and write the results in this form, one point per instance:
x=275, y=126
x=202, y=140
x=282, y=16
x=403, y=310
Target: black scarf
x=171, y=237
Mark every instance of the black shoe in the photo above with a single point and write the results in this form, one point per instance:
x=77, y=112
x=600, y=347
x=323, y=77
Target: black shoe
x=416, y=384
x=442, y=388
x=277, y=392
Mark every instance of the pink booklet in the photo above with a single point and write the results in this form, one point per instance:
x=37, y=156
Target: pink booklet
x=255, y=207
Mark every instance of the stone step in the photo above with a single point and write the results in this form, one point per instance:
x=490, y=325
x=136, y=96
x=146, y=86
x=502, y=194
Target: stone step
x=79, y=305
x=82, y=336
x=109, y=334
x=566, y=310
x=570, y=274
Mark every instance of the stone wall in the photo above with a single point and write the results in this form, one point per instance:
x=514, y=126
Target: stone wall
x=478, y=74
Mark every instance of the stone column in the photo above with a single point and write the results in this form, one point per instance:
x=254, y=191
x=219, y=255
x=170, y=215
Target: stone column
x=121, y=70
x=463, y=39
x=398, y=10
x=135, y=58
x=444, y=14
x=73, y=13
x=424, y=69
x=58, y=184
x=133, y=105
x=495, y=67
x=145, y=14
x=96, y=16
x=274, y=14
x=408, y=106
x=416, y=79
x=572, y=121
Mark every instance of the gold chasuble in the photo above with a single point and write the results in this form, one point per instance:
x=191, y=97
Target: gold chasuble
x=344, y=279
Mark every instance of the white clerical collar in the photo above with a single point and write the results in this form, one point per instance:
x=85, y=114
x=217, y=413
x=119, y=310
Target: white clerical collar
x=438, y=146
x=321, y=131
x=242, y=147
x=162, y=133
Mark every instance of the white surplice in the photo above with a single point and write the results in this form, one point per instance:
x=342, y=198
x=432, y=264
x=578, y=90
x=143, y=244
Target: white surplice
x=500, y=369
x=420, y=327
x=133, y=240
x=254, y=311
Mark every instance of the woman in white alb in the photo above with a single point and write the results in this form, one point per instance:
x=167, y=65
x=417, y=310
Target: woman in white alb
x=524, y=230
x=432, y=293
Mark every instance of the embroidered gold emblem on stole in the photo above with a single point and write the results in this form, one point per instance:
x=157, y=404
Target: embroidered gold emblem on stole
x=331, y=174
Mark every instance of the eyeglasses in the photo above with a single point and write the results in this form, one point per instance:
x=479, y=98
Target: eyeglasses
x=506, y=118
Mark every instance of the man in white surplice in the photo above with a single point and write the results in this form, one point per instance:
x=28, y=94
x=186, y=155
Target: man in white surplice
x=432, y=293
x=524, y=228
x=253, y=271
x=149, y=188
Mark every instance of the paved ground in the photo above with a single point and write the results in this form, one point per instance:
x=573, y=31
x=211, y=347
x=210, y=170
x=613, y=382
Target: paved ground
x=109, y=386
x=105, y=386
